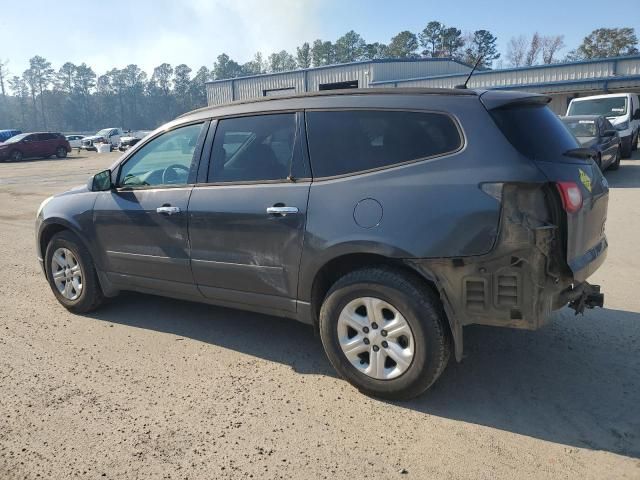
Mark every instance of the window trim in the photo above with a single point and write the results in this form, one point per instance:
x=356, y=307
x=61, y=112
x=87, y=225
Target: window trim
x=452, y=117
x=299, y=148
x=195, y=165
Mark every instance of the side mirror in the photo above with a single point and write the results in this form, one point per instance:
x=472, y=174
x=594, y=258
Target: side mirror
x=101, y=182
x=609, y=133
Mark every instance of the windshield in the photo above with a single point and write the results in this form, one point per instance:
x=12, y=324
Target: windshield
x=609, y=107
x=15, y=139
x=103, y=133
x=581, y=128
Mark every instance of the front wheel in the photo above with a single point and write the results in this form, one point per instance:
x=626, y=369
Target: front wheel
x=72, y=274
x=16, y=156
x=385, y=333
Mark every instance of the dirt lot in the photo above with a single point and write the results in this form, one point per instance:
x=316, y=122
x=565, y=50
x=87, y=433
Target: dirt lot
x=156, y=388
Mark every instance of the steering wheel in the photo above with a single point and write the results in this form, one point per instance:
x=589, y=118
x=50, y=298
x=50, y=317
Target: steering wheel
x=170, y=172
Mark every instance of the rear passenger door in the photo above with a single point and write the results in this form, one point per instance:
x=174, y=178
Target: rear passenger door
x=247, y=217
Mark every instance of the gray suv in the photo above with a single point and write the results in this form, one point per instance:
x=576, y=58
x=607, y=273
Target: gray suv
x=387, y=219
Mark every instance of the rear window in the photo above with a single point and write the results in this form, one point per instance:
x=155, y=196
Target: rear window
x=535, y=131
x=609, y=107
x=342, y=142
x=582, y=128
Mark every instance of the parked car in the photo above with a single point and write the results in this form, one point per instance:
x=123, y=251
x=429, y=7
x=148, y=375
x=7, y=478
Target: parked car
x=7, y=134
x=130, y=139
x=621, y=109
x=388, y=219
x=27, y=145
x=597, y=133
x=75, y=140
x=106, y=135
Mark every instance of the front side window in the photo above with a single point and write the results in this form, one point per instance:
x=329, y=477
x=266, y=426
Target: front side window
x=165, y=160
x=249, y=149
x=342, y=142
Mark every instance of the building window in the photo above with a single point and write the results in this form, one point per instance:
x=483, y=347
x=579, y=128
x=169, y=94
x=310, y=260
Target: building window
x=277, y=92
x=339, y=85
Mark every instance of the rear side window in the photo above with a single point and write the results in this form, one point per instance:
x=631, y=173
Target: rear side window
x=249, y=149
x=342, y=142
x=535, y=131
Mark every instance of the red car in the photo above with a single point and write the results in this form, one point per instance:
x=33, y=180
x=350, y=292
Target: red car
x=42, y=144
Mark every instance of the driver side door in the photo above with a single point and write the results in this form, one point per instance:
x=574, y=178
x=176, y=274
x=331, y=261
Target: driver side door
x=141, y=224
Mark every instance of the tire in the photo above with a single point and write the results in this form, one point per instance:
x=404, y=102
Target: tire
x=409, y=300
x=616, y=163
x=16, y=156
x=626, y=150
x=61, y=152
x=90, y=295
x=634, y=144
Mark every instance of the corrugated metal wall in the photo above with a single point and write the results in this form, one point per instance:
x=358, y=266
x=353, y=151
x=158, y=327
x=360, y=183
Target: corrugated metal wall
x=580, y=77
x=225, y=91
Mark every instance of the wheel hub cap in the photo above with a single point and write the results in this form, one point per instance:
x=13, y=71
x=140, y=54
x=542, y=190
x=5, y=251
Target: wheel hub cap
x=67, y=273
x=375, y=338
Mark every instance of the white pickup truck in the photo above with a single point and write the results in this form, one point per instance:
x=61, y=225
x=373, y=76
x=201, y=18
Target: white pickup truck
x=106, y=135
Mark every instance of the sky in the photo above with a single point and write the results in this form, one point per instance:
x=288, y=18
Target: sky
x=116, y=33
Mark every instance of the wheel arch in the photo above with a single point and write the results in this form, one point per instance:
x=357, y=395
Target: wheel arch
x=338, y=266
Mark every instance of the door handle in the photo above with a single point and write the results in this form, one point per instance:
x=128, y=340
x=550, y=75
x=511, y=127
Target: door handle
x=282, y=210
x=166, y=209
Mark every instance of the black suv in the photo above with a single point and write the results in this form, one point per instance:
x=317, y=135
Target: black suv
x=388, y=219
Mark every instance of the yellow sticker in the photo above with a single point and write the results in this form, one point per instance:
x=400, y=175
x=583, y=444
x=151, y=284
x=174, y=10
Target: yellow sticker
x=584, y=178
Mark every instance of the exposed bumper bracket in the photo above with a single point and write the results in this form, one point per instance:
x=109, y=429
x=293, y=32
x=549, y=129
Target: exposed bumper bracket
x=584, y=296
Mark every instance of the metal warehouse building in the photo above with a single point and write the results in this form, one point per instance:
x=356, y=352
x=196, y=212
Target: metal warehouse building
x=562, y=81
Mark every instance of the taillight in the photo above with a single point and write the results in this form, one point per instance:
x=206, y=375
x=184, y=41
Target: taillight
x=571, y=196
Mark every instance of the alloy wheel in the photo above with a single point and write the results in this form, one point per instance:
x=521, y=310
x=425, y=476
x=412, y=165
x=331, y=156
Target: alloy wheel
x=67, y=273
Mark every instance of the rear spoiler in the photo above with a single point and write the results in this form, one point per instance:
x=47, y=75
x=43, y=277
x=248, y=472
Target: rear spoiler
x=493, y=99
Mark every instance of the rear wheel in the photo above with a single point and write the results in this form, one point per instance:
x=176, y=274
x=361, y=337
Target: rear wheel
x=384, y=332
x=16, y=156
x=72, y=274
x=61, y=152
x=616, y=162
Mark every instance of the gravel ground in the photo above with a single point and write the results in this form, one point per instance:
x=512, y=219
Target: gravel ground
x=157, y=388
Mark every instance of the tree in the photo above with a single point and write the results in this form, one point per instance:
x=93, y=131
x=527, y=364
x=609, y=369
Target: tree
x=181, y=82
x=608, y=42
x=3, y=75
x=198, y=88
x=322, y=53
x=41, y=75
x=550, y=46
x=225, y=67
x=303, y=55
x=349, y=47
x=534, y=50
x=21, y=91
x=481, y=44
x=281, y=61
x=431, y=39
x=374, y=51
x=64, y=78
x=403, y=45
x=255, y=66
x=162, y=77
x=452, y=42
x=517, y=50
